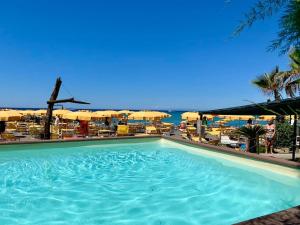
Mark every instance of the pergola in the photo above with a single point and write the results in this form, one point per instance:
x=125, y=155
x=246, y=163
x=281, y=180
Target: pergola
x=290, y=106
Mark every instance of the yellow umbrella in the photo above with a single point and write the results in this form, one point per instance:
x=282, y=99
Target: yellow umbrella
x=87, y=116
x=10, y=115
x=126, y=112
x=40, y=112
x=209, y=117
x=81, y=115
x=267, y=117
x=60, y=112
x=27, y=112
x=148, y=115
x=109, y=113
x=190, y=116
x=237, y=117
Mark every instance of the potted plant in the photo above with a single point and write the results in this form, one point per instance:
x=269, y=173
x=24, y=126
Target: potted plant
x=252, y=134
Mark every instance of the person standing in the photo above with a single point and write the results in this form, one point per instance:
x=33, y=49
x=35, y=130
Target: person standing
x=270, y=136
x=2, y=127
x=249, y=122
x=56, y=122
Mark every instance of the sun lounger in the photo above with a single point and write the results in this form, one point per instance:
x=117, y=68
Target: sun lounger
x=151, y=130
x=67, y=133
x=123, y=130
x=105, y=132
x=8, y=137
x=191, y=129
x=225, y=140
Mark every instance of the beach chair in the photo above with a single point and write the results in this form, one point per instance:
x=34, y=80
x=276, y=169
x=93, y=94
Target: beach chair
x=22, y=128
x=35, y=131
x=67, y=133
x=104, y=132
x=192, y=130
x=195, y=138
x=151, y=130
x=225, y=140
x=123, y=130
x=8, y=137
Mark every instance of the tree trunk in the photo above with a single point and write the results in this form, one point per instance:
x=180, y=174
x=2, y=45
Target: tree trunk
x=276, y=95
x=47, y=132
x=252, y=145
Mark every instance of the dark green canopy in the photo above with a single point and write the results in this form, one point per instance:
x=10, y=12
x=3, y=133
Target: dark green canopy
x=290, y=106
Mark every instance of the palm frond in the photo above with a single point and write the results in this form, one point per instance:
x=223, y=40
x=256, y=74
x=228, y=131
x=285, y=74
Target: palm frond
x=261, y=10
x=270, y=83
x=251, y=132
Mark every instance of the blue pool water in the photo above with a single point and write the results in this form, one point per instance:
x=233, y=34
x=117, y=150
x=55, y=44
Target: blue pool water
x=140, y=182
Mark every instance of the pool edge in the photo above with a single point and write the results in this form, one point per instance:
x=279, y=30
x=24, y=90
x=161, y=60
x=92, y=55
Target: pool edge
x=76, y=140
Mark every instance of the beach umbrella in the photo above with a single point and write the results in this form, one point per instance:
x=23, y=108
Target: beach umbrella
x=10, y=115
x=126, y=112
x=267, y=117
x=27, y=112
x=79, y=115
x=209, y=117
x=109, y=113
x=40, y=112
x=148, y=115
x=190, y=116
x=60, y=112
x=237, y=117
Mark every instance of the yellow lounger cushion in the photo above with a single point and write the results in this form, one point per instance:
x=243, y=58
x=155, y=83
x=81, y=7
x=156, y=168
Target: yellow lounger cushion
x=122, y=129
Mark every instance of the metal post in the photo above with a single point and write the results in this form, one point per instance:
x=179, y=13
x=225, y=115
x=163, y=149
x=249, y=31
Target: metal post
x=294, y=139
x=200, y=127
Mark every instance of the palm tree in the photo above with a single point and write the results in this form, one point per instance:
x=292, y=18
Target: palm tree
x=252, y=134
x=295, y=61
x=291, y=83
x=270, y=83
x=291, y=79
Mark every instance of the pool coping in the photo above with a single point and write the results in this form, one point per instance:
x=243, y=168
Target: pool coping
x=76, y=140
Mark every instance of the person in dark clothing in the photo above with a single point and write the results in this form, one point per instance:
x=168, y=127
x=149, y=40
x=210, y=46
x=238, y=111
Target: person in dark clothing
x=37, y=120
x=2, y=127
x=106, y=122
x=249, y=122
x=204, y=121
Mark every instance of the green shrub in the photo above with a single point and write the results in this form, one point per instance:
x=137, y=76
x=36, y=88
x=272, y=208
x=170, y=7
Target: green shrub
x=284, y=135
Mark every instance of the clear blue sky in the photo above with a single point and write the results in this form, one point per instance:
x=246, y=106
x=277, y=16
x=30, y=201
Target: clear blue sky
x=158, y=54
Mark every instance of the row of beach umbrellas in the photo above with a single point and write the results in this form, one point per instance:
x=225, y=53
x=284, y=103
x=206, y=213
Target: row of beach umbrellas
x=13, y=115
x=194, y=116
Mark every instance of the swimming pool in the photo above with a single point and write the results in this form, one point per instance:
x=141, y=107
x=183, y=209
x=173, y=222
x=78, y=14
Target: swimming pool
x=146, y=181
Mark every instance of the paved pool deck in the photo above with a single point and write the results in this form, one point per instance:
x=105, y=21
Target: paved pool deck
x=286, y=217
